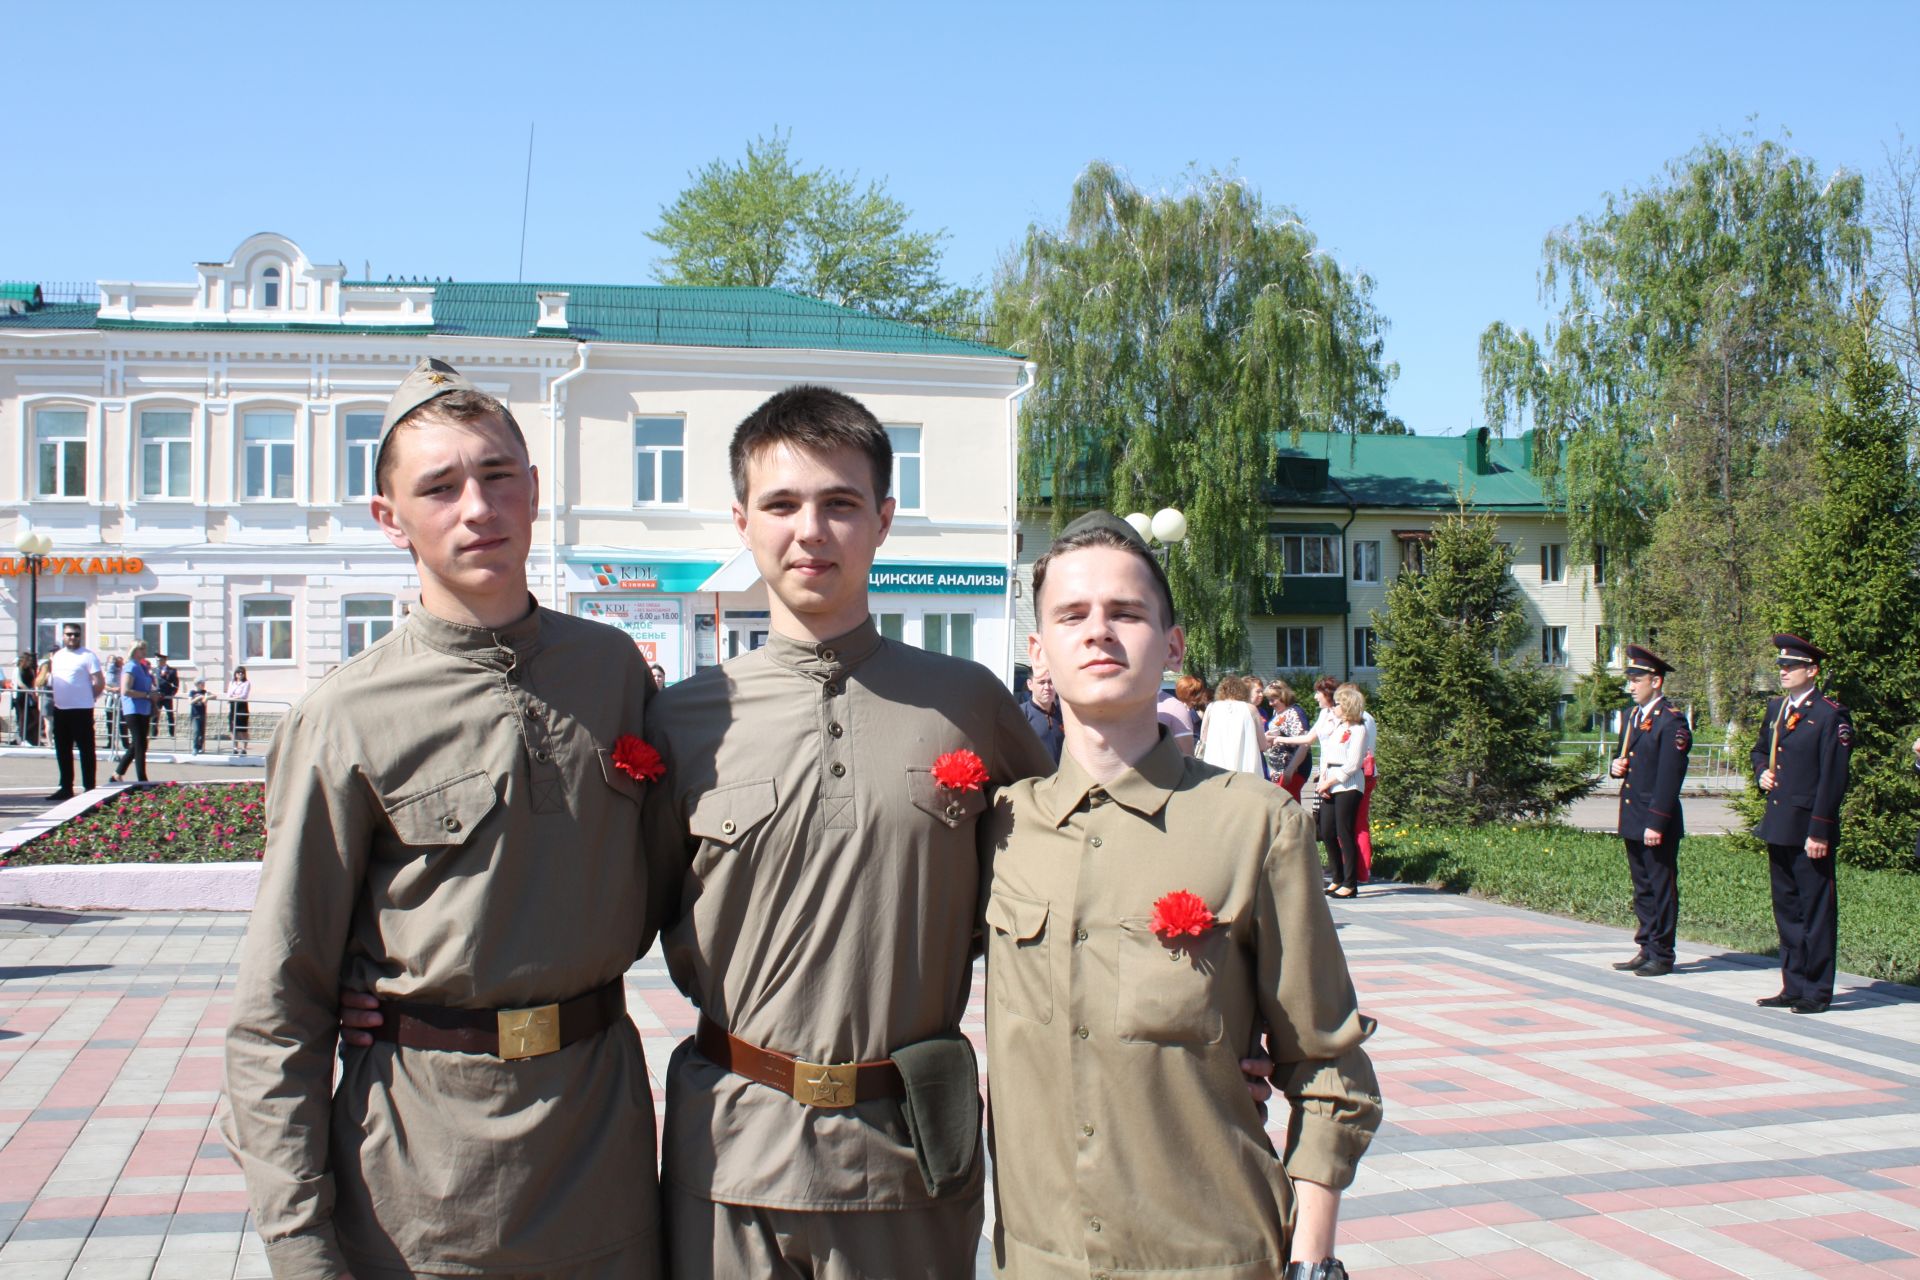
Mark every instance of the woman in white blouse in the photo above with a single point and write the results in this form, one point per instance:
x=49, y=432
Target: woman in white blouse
x=1342, y=782
x=1230, y=734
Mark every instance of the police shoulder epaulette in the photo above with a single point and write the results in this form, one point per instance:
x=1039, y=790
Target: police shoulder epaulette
x=1830, y=702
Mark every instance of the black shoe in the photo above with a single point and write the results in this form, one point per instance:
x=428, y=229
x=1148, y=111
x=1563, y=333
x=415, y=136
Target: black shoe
x=1654, y=969
x=1781, y=1001
x=57, y=797
x=1809, y=1006
x=1639, y=958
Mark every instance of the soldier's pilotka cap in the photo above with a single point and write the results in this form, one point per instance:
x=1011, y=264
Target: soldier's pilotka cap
x=429, y=380
x=1644, y=661
x=1794, y=649
x=1107, y=522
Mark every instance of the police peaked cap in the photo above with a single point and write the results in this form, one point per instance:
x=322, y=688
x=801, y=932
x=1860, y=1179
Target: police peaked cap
x=1642, y=660
x=1794, y=649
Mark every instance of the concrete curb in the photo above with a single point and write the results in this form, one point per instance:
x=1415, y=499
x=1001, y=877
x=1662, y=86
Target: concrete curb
x=136, y=886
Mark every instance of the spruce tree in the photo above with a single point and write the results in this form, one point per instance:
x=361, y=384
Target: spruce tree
x=1852, y=589
x=1465, y=728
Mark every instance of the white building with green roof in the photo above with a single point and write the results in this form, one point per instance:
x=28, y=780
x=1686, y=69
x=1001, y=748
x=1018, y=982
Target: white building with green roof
x=1351, y=513
x=199, y=453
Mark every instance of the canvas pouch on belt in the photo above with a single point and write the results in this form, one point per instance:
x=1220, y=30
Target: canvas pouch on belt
x=942, y=1108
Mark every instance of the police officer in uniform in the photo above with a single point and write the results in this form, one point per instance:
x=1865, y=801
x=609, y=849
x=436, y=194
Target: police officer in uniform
x=1651, y=764
x=1801, y=763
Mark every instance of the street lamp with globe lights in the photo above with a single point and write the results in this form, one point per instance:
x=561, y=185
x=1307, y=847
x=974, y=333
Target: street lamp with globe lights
x=35, y=548
x=1165, y=526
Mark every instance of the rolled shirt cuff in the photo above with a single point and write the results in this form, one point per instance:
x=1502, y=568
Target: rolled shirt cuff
x=1327, y=1151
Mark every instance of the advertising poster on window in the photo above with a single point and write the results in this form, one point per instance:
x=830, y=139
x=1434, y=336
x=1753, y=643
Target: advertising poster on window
x=654, y=623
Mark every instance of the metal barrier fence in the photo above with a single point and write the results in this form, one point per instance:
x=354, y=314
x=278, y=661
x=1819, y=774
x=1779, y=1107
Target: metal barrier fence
x=26, y=719
x=1706, y=760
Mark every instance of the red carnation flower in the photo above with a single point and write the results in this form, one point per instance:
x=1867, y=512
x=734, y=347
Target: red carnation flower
x=961, y=771
x=1180, y=913
x=636, y=759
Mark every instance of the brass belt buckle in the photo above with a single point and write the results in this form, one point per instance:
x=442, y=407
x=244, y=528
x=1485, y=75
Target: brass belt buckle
x=820, y=1085
x=528, y=1033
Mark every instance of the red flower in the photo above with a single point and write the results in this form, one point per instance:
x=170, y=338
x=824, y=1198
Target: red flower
x=637, y=760
x=1180, y=913
x=961, y=771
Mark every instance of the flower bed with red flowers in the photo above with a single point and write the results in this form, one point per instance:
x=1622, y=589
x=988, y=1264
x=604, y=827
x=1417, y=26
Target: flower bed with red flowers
x=171, y=822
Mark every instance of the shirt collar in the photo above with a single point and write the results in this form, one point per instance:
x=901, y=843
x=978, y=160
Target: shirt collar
x=1801, y=699
x=498, y=647
x=1143, y=788
x=824, y=659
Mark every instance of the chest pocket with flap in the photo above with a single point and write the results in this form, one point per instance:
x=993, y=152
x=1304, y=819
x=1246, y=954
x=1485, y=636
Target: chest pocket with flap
x=952, y=806
x=445, y=814
x=1019, y=961
x=727, y=813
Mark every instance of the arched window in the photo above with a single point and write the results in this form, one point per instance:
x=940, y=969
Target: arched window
x=270, y=289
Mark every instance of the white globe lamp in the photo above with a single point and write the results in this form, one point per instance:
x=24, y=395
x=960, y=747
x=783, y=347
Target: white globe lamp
x=1169, y=525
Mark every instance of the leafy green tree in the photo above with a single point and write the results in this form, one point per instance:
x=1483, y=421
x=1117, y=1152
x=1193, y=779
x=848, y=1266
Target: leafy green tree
x=1178, y=336
x=1698, y=320
x=765, y=222
x=1464, y=727
x=1599, y=693
x=1857, y=594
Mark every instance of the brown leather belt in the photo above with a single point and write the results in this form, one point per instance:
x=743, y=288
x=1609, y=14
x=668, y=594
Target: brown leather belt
x=508, y=1034
x=818, y=1084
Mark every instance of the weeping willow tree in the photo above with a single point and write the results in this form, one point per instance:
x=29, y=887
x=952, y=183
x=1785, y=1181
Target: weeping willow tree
x=1178, y=337
x=1697, y=330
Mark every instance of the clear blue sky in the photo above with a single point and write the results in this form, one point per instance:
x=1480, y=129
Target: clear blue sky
x=1431, y=144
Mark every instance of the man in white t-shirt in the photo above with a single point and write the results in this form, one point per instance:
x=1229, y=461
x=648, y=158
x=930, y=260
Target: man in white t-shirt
x=77, y=681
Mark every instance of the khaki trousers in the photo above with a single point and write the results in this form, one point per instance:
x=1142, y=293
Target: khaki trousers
x=710, y=1241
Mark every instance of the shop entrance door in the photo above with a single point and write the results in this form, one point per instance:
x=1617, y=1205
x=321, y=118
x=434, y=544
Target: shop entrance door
x=744, y=637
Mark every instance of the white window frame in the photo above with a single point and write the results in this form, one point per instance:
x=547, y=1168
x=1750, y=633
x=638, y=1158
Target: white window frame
x=944, y=620
x=1313, y=647
x=358, y=628
x=51, y=616
x=1366, y=648
x=913, y=459
x=653, y=459
x=892, y=626
x=158, y=641
x=252, y=655
x=176, y=456
x=1553, y=562
x=369, y=449
x=62, y=446
x=270, y=449
x=1294, y=548
x=1366, y=560
x=1553, y=646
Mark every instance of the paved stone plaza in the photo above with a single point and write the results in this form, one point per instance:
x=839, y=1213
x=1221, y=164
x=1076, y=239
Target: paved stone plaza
x=1546, y=1116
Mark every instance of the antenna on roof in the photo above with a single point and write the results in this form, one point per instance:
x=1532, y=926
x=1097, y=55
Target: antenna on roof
x=525, y=196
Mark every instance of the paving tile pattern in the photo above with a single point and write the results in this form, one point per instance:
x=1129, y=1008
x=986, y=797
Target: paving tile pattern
x=1548, y=1116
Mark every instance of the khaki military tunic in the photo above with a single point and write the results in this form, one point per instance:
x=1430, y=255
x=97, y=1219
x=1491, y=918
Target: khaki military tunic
x=445, y=826
x=828, y=909
x=1125, y=1141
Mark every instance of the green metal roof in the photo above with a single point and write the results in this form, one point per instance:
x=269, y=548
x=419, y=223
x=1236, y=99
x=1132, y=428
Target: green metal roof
x=659, y=315
x=16, y=291
x=1413, y=472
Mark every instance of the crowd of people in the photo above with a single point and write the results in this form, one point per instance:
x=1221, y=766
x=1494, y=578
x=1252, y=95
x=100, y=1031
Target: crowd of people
x=1250, y=726
x=61, y=698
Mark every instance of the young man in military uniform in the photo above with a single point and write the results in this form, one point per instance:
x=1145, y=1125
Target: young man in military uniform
x=1149, y=915
x=824, y=1121
x=1651, y=764
x=1801, y=762
x=453, y=823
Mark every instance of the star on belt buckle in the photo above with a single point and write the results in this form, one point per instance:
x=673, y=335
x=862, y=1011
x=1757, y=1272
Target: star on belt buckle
x=820, y=1085
x=529, y=1033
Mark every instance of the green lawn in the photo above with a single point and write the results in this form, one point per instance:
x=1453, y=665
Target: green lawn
x=1723, y=888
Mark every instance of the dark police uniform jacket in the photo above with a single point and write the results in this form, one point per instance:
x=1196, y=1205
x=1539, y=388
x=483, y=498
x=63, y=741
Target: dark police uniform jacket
x=1656, y=764
x=1810, y=771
